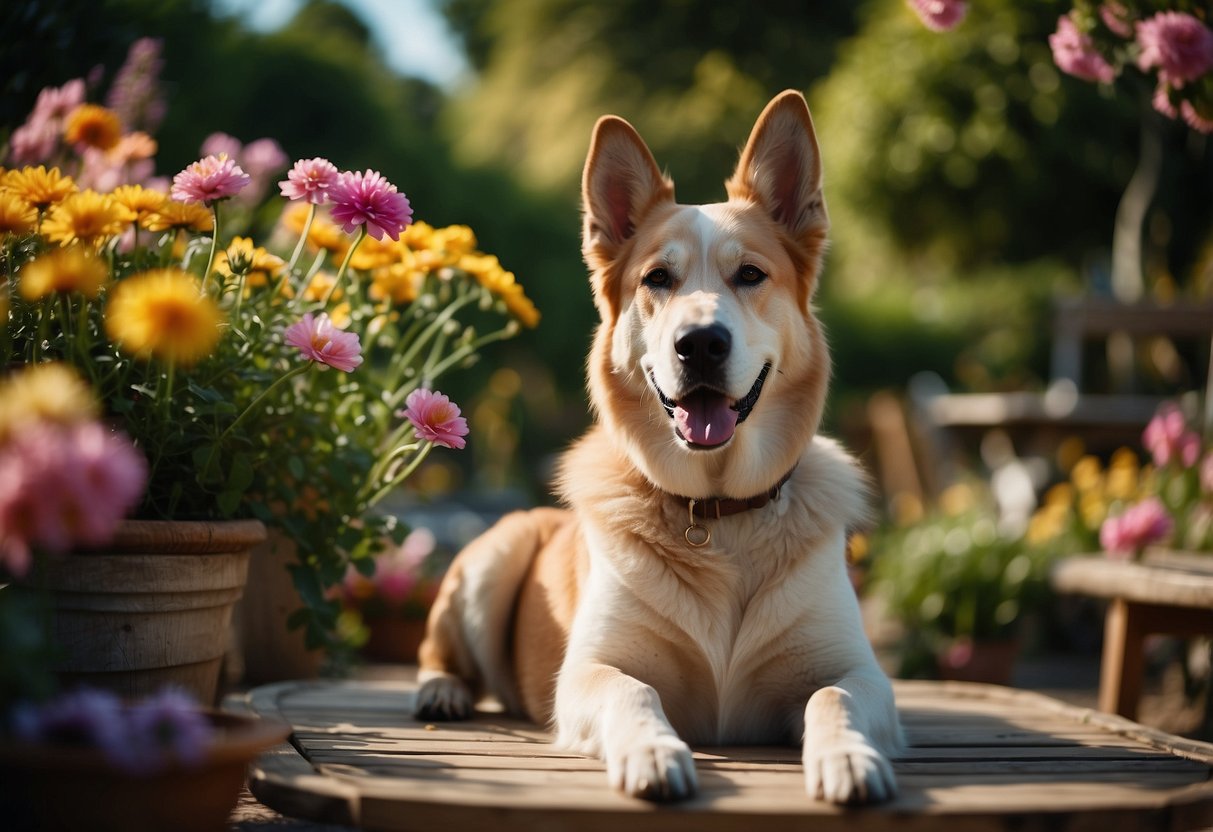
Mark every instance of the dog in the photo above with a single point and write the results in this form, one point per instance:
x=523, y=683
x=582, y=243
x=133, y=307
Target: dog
x=694, y=589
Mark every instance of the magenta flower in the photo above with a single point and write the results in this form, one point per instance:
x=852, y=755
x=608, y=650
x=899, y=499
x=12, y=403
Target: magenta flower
x=64, y=486
x=319, y=340
x=1167, y=437
x=370, y=200
x=310, y=180
x=1140, y=525
x=221, y=144
x=166, y=724
x=1075, y=54
x=209, y=180
x=940, y=15
x=435, y=418
x=1117, y=18
x=1178, y=44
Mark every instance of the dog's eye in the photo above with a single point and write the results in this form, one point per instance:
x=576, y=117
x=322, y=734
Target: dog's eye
x=750, y=275
x=658, y=278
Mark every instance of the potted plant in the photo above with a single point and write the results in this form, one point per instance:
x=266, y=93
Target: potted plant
x=257, y=388
x=960, y=586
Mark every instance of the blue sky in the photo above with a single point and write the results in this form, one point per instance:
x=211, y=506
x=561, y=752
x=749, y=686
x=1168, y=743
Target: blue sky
x=412, y=35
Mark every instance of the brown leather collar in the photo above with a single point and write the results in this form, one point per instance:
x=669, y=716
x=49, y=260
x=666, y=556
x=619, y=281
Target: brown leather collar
x=715, y=507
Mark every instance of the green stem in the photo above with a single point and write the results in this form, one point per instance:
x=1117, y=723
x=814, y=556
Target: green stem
x=508, y=331
x=345, y=264
x=307, y=227
x=253, y=406
x=401, y=477
x=167, y=400
x=406, y=359
x=210, y=261
x=381, y=466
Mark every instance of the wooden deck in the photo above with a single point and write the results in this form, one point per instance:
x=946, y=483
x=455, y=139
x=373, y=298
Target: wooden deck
x=979, y=757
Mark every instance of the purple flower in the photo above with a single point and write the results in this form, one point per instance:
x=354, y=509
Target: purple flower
x=221, y=144
x=435, y=418
x=1178, y=44
x=168, y=723
x=310, y=180
x=319, y=340
x=940, y=15
x=135, y=94
x=1167, y=437
x=1140, y=525
x=263, y=157
x=370, y=200
x=1074, y=53
x=209, y=180
x=87, y=718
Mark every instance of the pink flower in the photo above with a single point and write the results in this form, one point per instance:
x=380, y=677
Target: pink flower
x=435, y=418
x=1117, y=18
x=310, y=180
x=1167, y=437
x=221, y=144
x=1162, y=102
x=1193, y=118
x=55, y=103
x=34, y=142
x=208, y=180
x=369, y=199
x=64, y=486
x=940, y=15
x=1141, y=524
x=1178, y=44
x=319, y=340
x=1074, y=53
x=1206, y=473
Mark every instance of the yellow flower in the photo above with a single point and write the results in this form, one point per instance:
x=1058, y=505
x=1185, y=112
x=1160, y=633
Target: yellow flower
x=398, y=283
x=86, y=217
x=16, y=215
x=242, y=257
x=374, y=253
x=71, y=269
x=38, y=186
x=419, y=236
x=1047, y=523
x=1092, y=508
x=163, y=313
x=340, y=316
x=325, y=235
x=488, y=272
x=1087, y=474
x=49, y=392
x=181, y=216
x=956, y=499
x=1122, y=475
x=319, y=287
x=142, y=202
x=453, y=242
x=1061, y=494
x=92, y=126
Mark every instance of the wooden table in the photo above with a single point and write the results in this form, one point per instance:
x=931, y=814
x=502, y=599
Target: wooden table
x=1168, y=593
x=979, y=757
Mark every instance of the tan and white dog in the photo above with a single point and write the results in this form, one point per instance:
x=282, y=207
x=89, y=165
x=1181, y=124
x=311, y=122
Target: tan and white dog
x=695, y=589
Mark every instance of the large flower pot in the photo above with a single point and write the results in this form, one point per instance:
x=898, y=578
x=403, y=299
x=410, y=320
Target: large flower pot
x=153, y=608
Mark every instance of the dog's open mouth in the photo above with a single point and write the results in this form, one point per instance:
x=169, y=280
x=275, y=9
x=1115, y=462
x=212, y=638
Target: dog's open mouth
x=705, y=418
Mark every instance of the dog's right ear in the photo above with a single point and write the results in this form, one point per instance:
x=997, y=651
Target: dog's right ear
x=620, y=184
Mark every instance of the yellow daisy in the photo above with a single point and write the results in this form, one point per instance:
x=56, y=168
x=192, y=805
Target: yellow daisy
x=142, y=202
x=181, y=216
x=374, y=253
x=487, y=270
x=50, y=392
x=163, y=314
x=16, y=215
x=399, y=283
x=63, y=270
x=418, y=236
x=38, y=186
x=454, y=241
x=86, y=217
x=319, y=287
x=242, y=257
x=92, y=126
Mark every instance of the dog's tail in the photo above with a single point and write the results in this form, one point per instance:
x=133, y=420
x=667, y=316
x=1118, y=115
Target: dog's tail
x=467, y=651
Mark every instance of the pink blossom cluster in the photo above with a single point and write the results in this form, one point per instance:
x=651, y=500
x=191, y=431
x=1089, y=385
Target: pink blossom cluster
x=940, y=15
x=397, y=572
x=63, y=486
x=1168, y=438
x=135, y=96
x=38, y=139
x=209, y=180
x=358, y=199
x=318, y=339
x=261, y=160
x=140, y=738
x=435, y=418
x=1176, y=46
x=1138, y=526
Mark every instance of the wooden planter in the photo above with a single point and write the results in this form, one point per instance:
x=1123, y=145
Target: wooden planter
x=152, y=609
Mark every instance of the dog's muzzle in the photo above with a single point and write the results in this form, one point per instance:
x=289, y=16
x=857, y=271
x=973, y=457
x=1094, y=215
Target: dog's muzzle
x=705, y=418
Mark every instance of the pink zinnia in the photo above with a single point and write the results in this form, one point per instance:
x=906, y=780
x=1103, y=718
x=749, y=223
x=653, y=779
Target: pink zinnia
x=1178, y=44
x=1140, y=525
x=1193, y=118
x=1074, y=53
x=221, y=144
x=940, y=15
x=435, y=418
x=208, y=180
x=319, y=340
x=369, y=199
x=310, y=180
x=1167, y=437
x=1117, y=18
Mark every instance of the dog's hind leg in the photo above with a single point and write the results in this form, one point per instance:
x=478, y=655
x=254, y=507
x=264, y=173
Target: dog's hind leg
x=466, y=650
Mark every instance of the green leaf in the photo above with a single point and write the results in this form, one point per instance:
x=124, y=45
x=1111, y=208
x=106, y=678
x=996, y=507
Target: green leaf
x=240, y=475
x=228, y=502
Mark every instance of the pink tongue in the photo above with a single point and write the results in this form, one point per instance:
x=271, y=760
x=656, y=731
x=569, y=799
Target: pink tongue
x=705, y=419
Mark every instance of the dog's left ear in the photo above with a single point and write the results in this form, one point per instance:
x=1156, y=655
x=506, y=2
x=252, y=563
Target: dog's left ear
x=780, y=168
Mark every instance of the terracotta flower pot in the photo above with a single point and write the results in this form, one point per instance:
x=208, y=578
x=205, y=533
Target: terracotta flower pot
x=53, y=787
x=153, y=608
x=394, y=638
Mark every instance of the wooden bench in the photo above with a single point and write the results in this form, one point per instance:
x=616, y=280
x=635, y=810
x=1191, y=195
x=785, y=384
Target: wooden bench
x=1168, y=593
x=978, y=757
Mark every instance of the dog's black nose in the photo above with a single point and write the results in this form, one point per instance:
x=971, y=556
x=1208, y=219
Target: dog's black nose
x=703, y=348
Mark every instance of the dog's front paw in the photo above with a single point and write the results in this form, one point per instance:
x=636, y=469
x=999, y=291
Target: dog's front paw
x=442, y=697
x=848, y=772
x=657, y=769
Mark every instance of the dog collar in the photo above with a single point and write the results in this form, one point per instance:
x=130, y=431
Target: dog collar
x=718, y=507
